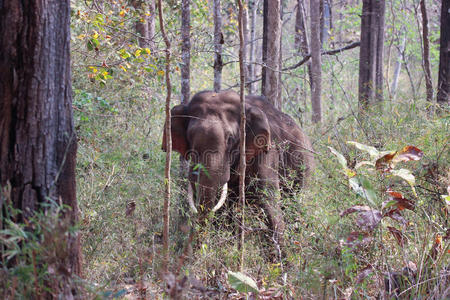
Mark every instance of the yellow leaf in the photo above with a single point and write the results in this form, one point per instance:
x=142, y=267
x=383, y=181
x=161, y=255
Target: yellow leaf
x=81, y=36
x=160, y=73
x=122, y=13
x=95, y=35
x=123, y=68
x=147, y=50
x=138, y=53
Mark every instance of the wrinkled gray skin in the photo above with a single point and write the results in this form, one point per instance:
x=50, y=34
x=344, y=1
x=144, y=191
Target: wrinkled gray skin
x=206, y=131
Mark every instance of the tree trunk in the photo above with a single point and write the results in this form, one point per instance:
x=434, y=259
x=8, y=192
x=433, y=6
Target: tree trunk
x=246, y=35
x=280, y=59
x=426, y=51
x=253, y=6
x=379, y=50
x=167, y=128
x=443, y=94
x=141, y=24
x=37, y=136
x=398, y=66
x=151, y=24
x=183, y=206
x=271, y=51
x=185, y=51
x=301, y=36
x=242, y=161
x=367, y=54
x=218, y=42
x=316, y=65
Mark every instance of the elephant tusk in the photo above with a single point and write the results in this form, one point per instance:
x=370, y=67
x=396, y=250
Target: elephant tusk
x=190, y=197
x=223, y=196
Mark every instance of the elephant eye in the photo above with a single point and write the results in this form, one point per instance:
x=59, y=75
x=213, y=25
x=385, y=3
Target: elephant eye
x=230, y=140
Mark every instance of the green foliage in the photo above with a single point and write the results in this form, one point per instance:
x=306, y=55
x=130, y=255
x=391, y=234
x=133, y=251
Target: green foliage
x=241, y=282
x=119, y=113
x=35, y=251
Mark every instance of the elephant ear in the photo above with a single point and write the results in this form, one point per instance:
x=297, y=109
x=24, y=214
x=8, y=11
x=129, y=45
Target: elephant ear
x=178, y=129
x=257, y=132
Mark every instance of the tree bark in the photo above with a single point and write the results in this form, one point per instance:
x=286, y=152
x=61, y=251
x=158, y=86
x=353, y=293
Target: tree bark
x=218, y=42
x=246, y=35
x=426, y=51
x=367, y=54
x=316, y=65
x=280, y=59
x=141, y=24
x=443, y=94
x=379, y=50
x=398, y=66
x=167, y=128
x=253, y=6
x=183, y=206
x=271, y=51
x=301, y=36
x=37, y=136
x=151, y=24
x=185, y=51
x=242, y=161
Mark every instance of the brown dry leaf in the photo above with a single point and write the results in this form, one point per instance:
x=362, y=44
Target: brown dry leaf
x=437, y=247
x=384, y=163
x=400, y=201
x=367, y=219
x=363, y=274
x=131, y=206
x=408, y=153
x=388, y=161
x=270, y=294
x=399, y=236
x=396, y=215
x=355, y=208
x=357, y=238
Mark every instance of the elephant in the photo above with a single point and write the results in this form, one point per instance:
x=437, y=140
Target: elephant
x=206, y=132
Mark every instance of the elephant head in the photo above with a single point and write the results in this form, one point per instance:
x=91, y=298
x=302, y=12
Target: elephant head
x=206, y=132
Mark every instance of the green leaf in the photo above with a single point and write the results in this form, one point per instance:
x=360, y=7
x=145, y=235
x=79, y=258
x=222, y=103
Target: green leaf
x=369, y=149
x=407, y=176
x=362, y=186
x=446, y=198
x=90, y=45
x=340, y=157
x=241, y=282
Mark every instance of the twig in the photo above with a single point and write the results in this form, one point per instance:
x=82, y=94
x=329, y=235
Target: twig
x=168, y=144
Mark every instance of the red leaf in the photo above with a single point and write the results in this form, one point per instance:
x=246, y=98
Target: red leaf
x=409, y=153
x=355, y=208
x=369, y=220
x=357, y=238
x=401, y=239
x=384, y=163
x=388, y=161
x=401, y=202
x=396, y=215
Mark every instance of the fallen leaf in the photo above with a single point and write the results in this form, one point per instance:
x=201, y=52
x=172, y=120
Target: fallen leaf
x=398, y=235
